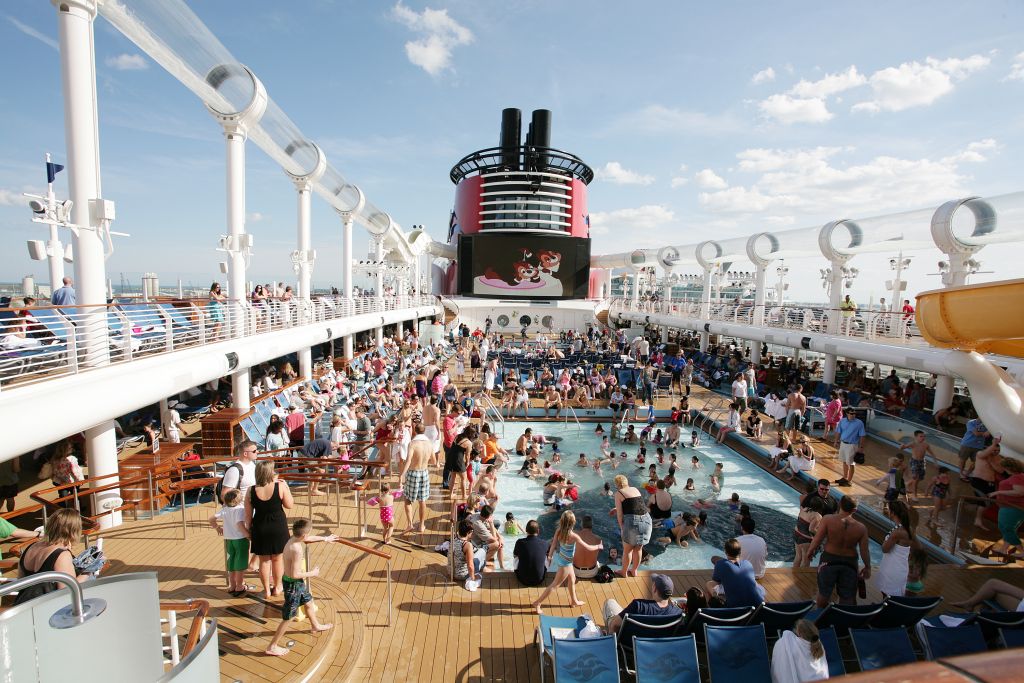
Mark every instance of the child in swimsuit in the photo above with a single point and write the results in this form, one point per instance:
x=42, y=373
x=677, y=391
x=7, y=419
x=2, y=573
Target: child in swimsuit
x=940, y=489
x=512, y=527
x=386, y=501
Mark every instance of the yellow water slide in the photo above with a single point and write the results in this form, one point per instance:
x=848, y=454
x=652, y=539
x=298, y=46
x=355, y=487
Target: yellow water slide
x=977, y=319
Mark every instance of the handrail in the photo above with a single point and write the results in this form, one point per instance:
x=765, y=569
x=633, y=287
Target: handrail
x=80, y=610
x=572, y=411
x=194, y=632
x=956, y=520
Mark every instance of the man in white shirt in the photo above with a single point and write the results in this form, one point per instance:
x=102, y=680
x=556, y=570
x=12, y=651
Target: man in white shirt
x=233, y=479
x=753, y=548
x=172, y=424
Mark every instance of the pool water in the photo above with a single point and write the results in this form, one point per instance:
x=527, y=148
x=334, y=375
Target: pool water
x=773, y=504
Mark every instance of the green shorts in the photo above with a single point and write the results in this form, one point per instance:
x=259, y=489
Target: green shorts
x=236, y=554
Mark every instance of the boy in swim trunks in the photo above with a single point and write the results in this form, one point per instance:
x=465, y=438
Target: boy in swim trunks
x=918, y=449
x=296, y=589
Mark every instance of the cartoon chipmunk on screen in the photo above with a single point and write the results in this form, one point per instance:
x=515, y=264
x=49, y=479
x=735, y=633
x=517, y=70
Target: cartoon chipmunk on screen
x=525, y=269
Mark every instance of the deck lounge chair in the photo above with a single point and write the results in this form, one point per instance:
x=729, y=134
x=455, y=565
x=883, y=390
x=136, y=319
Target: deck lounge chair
x=587, y=660
x=737, y=653
x=845, y=617
x=666, y=660
x=882, y=647
x=1011, y=637
x=780, y=616
x=940, y=641
x=833, y=654
x=717, y=616
x=903, y=612
x=646, y=627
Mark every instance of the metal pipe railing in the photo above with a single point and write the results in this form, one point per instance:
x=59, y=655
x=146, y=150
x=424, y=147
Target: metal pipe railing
x=78, y=612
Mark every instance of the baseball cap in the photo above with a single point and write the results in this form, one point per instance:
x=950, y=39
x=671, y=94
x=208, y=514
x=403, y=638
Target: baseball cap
x=662, y=585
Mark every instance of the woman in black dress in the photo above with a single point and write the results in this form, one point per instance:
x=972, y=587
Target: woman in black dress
x=460, y=451
x=268, y=525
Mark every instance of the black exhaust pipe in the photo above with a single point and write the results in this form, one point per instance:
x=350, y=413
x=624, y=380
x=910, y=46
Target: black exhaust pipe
x=511, y=134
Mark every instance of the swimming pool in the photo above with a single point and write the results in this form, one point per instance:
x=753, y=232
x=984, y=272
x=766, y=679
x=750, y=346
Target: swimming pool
x=773, y=504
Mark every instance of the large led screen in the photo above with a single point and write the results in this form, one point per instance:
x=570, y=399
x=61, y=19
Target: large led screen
x=526, y=266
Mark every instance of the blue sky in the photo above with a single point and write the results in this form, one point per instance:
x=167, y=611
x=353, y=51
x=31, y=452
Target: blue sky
x=702, y=119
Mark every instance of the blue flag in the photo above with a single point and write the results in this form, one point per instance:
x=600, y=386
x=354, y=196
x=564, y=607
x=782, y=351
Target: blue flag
x=52, y=170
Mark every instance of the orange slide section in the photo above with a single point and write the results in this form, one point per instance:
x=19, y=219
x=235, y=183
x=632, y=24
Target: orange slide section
x=987, y=318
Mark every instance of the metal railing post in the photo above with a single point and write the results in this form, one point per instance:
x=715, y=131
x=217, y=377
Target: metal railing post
x=184, y=511
x=149, y=486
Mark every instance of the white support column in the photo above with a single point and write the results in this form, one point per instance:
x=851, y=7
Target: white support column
x=667, y=298
x=705, y=307
x=78, y=75
x=636, y=287
x=835, y=296
x=346, y=258
x=379, y=335
x=304, y=260
x=943, y=393
x=349, y=345
x=241, y=390
x=378, y=249
x=306, y=363
x=760, y=295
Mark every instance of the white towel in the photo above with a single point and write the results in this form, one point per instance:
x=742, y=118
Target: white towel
x=792, y=662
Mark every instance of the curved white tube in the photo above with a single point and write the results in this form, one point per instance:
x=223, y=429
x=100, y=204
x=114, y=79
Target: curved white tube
x=997, y=396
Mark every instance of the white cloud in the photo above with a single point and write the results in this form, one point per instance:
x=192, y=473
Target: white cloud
x=127, y=62
x=256, y=217
x=973, y=153
x=787, y=109
x=829, y=85
x=679, y=181
x=33, y=33
x=432, y=52
x=913, y=84
x=763, y=76
x=1016, y=68
x=613, y=172
x=9, y=198
x=647, y=217
x=816, y=182
x=709, y=180
x=779, y=220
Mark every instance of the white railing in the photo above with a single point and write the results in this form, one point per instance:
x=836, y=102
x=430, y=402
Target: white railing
x=40, y=343
x=889, y=327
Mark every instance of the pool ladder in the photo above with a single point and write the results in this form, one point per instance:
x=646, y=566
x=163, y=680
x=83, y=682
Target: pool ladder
x=712, y=410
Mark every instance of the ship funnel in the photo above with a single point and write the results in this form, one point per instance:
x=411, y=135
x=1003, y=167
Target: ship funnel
x=511, y=133
x=540, y=125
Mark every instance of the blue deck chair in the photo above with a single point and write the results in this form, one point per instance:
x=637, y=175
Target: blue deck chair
x=542, y=636
x=252, y=432
x=940, y=642
x=587, y=660
x=666, y=660
x=903, y=612
x=717, y=616
x=780, y=616
x=663, y=385
x=993, y=622
x=644, y=627
x=833, y=654
x=845, y=617
x=737, y=653
x=882, y=647
x=1011, y=637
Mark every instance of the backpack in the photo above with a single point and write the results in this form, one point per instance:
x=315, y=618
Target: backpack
x=218, y=490
x=604, y=575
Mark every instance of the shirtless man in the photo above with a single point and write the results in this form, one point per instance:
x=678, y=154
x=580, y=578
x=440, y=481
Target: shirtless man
x=584, y=562
x=918, y=449
x=796, y=404
x=673, y=435
x=415, y=477
x=523, y=442
x=984, y=476
x=432, y=424
x=552, y=399
x=843, y=537
x=296, y=588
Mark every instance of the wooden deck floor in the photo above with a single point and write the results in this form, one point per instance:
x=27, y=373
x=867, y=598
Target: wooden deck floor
x=439, y=632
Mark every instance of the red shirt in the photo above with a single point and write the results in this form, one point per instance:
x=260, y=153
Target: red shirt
x=449, y=431
x=295, y=423
x=1007, y=485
